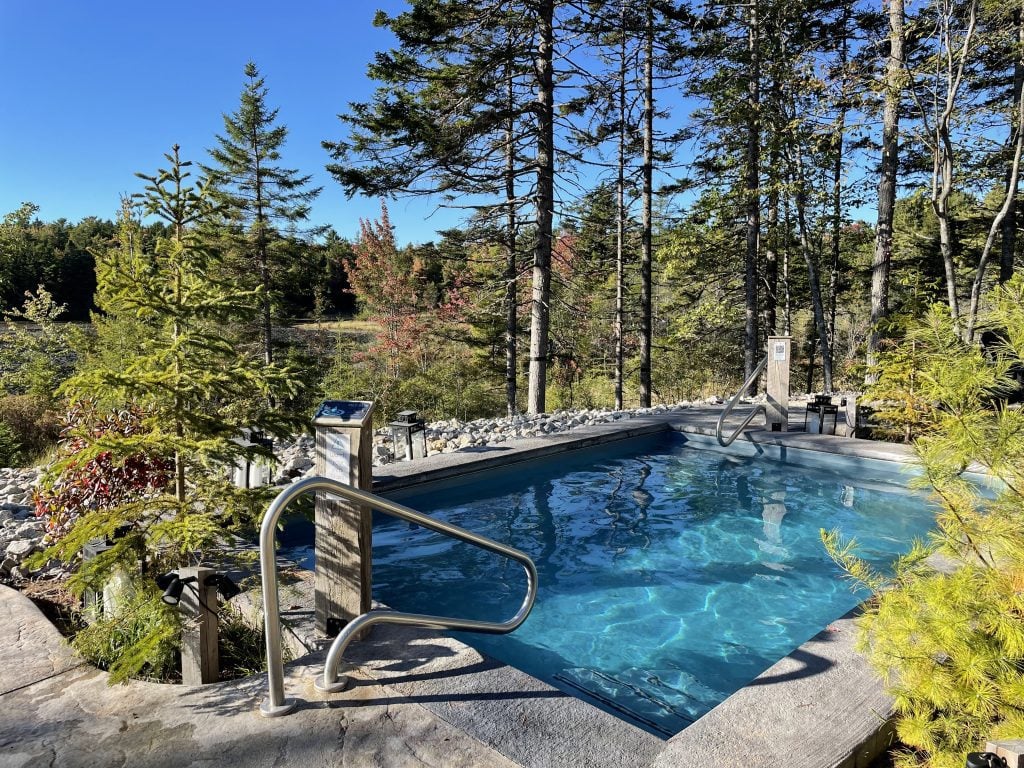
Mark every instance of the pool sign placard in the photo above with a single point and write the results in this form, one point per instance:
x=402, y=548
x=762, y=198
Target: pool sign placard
x=338, y=456
x=338, y=412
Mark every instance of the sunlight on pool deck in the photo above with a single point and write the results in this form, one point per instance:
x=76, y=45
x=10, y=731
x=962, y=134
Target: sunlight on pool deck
x=425, y=699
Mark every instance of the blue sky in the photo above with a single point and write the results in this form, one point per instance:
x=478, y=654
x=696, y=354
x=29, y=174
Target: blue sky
x=94, y=92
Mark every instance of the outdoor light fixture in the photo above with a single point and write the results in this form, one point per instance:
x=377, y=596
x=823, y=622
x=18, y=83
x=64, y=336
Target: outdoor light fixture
x=226, y=588
x=252, y=471
x=821, y=416
x=173, y=585
x=409, y=435
x=984, y=760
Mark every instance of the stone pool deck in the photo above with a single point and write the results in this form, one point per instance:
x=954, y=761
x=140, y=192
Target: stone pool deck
x=422, y=699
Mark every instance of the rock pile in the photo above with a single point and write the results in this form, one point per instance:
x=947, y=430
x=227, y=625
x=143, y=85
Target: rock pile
x=21, y=532
x=295, y=457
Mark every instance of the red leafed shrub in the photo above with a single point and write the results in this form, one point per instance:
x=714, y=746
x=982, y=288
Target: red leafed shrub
x=91, y=478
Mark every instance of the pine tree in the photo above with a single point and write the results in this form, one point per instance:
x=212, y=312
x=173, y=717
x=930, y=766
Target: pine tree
x=256, y=194
x=949, y=643
x=464, y=100
x=188, y=387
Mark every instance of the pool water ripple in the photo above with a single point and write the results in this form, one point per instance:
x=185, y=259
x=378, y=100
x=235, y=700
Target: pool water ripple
x=669, y=577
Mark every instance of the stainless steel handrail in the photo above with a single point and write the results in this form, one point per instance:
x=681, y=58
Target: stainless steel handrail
x=732, y=404
x=276, y=704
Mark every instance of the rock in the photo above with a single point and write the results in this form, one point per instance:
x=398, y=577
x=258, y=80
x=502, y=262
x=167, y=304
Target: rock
x=299, y=464
x=22, y=548
x=29, y=529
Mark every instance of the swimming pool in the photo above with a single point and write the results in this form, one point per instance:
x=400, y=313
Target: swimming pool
x=669, y=576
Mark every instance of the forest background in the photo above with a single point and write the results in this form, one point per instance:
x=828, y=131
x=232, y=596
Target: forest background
x=649, y=189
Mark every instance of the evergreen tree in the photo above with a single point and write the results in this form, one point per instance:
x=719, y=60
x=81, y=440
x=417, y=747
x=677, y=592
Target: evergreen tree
x=186, y=388
x=882, y=261
x=949, y=642
x=464, y=101
x=257, y=194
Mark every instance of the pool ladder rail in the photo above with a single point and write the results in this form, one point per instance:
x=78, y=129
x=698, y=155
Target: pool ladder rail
x=275, y=704
x=732, y=404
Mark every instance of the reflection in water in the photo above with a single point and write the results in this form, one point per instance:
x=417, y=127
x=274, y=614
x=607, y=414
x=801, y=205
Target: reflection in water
x=773, y=509
x=544, y=530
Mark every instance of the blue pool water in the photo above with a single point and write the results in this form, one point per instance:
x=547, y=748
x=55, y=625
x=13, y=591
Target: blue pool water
x=669, y=576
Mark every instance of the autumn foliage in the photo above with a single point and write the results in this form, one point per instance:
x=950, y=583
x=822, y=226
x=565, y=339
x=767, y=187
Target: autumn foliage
x=91, y=480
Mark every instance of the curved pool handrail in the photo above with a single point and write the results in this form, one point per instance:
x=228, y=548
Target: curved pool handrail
x=275, y=704
x=726, y=442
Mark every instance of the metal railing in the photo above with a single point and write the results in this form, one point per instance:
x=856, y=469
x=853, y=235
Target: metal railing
x=276, y=704
x=732, y=404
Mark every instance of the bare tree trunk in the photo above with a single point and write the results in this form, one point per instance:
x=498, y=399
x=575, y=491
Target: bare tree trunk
x=1008, y=230
x=620, y=215
x=812, y=272
x=1004, y=210
x=647, y=217
x=771, y=251
x=787, y=306
x=838, y=138
x=942, y=150
x=752, y=192
x=882, y=259
x=511, y=267
x=545, y=161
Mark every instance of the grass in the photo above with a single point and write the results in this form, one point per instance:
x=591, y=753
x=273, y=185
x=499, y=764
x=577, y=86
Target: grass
x=346, y=327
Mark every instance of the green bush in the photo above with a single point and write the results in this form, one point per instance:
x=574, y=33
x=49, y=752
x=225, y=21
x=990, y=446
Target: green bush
x=949, y=644
x=32, y=421
x=10, y=448
x=138, y=639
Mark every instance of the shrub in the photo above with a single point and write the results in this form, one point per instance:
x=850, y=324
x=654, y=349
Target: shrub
x=33, y=422
x=10, y=448
x=139, y=639
x=99, y=480
x=37, y=353
x=950, y=645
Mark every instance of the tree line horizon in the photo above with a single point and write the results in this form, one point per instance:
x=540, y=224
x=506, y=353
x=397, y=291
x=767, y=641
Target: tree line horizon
x=570, y=130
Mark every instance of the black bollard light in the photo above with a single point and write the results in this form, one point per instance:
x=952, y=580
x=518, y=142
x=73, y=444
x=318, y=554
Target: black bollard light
x=984, y=760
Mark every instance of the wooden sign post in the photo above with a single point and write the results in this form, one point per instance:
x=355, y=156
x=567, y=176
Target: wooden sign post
x=344, y=445
x=776, y=414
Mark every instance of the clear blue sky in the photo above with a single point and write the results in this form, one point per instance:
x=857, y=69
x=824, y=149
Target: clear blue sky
x=95, y=91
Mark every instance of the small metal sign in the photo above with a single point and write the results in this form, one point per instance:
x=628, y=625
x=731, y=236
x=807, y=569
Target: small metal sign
x=779, y=351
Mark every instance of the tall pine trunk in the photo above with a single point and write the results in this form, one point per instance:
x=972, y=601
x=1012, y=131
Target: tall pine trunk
x=647, y=217
x=771, y=251
x=752, y=192
x=620, y=216
x=1008, y=229
x=545, y=161
x=511, y=267
x=838, y=138
x=882, y=260
x=811, y=260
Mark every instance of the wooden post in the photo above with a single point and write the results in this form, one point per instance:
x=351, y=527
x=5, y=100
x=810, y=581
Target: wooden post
x=343, y=579
x=776, y=414
x=200, y=661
